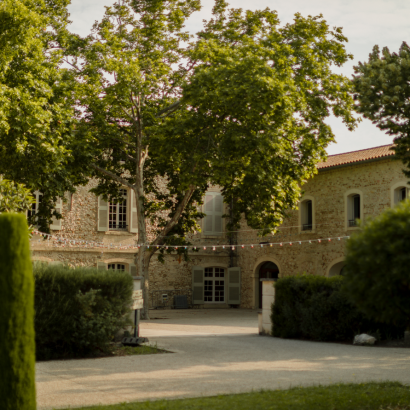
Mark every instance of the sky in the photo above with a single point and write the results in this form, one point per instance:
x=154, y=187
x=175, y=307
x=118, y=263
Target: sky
x=364, y=22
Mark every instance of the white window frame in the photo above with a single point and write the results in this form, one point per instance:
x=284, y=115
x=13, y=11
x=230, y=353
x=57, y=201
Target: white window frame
x=395, y=189
x=117, y=266
x=349, y=204
x=37, y=195
x=214, y=279
x=118, y=214
x=302, y=213
x=213, y=192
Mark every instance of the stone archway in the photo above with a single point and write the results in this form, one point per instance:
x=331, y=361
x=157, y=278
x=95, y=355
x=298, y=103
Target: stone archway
x=265, y=268
x=336, y=267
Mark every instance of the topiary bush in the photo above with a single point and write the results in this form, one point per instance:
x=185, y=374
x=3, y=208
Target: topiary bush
x=79, y=311
x=17, y=351
x=377, y=271
x=316, y=308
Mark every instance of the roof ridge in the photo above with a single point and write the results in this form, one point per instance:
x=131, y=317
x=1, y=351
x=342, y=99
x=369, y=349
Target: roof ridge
x=359, y=150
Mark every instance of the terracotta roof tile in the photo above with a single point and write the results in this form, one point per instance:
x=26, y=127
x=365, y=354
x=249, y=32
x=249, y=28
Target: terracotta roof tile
x=356, y=156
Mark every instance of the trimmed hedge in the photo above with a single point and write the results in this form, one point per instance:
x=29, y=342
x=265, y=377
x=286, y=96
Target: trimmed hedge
x=316, y=308
x=17, y=361
x=79, y=311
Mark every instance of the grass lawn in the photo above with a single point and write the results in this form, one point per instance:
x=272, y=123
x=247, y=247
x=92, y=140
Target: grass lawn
x=365, y=396
x=120, y=350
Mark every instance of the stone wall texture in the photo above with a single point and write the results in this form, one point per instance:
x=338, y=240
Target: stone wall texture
x=374, y=180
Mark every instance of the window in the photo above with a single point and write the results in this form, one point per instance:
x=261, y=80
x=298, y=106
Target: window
x=213, y=208
x=353, y=208
x=214, y=285
x=116, y=266
x=38, y=196
x=400, y=194
x=118, y=213
x=307, y=215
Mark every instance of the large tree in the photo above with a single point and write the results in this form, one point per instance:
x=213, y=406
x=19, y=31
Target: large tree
x=241, y=105
x=37, y=110
x=382, y=92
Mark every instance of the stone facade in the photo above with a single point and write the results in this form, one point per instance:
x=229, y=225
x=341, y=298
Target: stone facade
x=376, y=181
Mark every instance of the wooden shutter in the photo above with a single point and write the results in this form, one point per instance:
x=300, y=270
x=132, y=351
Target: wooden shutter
x=198, y=285
x=101, y=265
x=234, y=286
x=133, y=269
x=56, y=223
x=133, y=212
x=213, y=208
x=102, y=215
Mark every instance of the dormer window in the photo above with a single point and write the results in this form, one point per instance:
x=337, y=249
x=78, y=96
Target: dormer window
x=307, y=215
x=353, y=207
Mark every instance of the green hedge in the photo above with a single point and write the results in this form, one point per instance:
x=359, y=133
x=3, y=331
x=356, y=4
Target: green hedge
x=315, y=308
x=79, y=311
x=17, y=378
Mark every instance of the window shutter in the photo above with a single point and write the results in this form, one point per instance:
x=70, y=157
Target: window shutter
x=214, y=210
x=133, y=269
x=101, y=265
x=102, y=215
x=234, y=286
x=56, y=223
x=133, y=213
x=198, y=285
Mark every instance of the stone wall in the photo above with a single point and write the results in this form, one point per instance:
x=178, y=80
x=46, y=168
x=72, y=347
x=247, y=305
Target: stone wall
x=329, y=188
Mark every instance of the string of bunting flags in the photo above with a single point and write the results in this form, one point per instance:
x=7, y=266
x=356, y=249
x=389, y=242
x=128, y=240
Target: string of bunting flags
x=59, y=241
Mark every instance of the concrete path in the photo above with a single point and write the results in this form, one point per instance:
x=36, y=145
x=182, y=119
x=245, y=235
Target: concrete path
x=215, y=352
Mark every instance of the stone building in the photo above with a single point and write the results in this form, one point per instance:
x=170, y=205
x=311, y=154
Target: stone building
x=349, y=186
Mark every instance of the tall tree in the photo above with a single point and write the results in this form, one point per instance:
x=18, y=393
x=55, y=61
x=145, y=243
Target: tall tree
x=37, y=111
x=242, y=105
x=382, y=93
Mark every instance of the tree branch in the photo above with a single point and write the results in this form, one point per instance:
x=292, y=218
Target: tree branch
x=113, y=176
x=170, y=109
x=174, y=220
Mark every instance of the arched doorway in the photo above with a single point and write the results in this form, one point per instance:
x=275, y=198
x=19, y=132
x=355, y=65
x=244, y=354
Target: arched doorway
x=337, y=269
x=268, y=270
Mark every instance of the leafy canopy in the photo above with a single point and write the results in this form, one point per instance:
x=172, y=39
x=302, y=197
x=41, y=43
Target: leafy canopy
x=37, y=96
x=242, y=105
x=383, y=93
x=14, y=197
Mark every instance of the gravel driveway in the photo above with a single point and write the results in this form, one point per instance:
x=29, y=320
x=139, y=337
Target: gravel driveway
x=216, y=351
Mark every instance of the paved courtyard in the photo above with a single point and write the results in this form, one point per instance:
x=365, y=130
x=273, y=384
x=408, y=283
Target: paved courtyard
x=215, y=352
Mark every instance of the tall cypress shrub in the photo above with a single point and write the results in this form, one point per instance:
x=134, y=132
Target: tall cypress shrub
x=17, y=349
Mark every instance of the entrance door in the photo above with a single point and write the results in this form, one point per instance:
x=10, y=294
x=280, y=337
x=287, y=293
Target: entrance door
x=268, y=270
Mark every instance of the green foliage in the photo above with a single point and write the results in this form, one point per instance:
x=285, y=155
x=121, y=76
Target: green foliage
x=243, y=106
x=377, y=274
x=382, y=93
x=14, y=197
x=37, y=102
x=316, y=308
x=79, y=311
x=360, y=396
x=17, y=350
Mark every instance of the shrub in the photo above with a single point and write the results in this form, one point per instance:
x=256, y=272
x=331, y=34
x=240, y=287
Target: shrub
x=316, y=308
x=377, y=272
x=79, y=311
x=17, y=388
